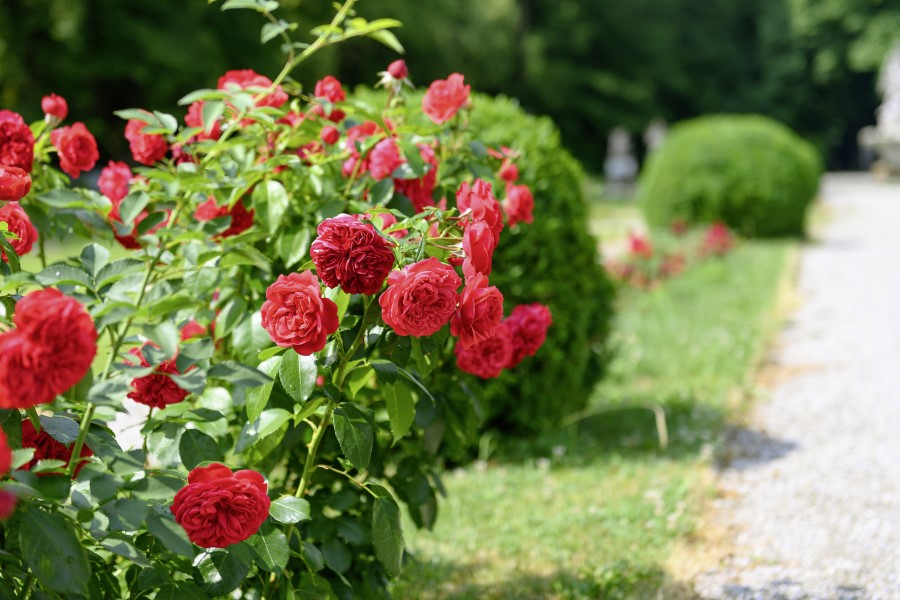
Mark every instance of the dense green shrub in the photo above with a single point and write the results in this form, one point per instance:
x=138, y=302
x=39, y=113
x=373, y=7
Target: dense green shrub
x=749, y=171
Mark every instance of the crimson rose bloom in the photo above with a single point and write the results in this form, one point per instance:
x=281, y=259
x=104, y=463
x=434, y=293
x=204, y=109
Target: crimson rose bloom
x=16, y=141
x=218, y=508
x=157, y=389
x=114, y=181
x=478, y=244
x=329, y=88
x=248, y=78
x=55, y=106
x=77, y=149
x=194, y=118
x=639, y=246
x=444, y=98
x=330, y=135
x=420, y=191
x=50, y=350
x=19, y=224
x=47, y=448
x=518, y=205
x=7, y=504
x=480, y=309
x=5, y=454
x=398, y=69
x=479, y=199
x=241, y=218
x=528, y=324
x=146, y=148
x=384, y=158
x=488, y=358
x=420, y=298
x=351, y=254
x=192, y=329
x=296, y=315
x=509, y=172
x=14, y=183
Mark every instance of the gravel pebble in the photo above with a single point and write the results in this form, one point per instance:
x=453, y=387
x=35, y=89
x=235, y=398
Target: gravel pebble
x=812, y=493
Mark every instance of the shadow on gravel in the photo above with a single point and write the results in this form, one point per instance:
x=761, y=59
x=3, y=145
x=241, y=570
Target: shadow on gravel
x=749, y=448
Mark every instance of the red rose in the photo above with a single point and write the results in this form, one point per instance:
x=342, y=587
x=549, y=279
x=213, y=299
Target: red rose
x=420, y=298
x=351, y=254
x=47, y=448
x=218, y=508
x=77, y=149
x=479, y=202
x=398, y=70
x=157, y=389
x=639, y=246
x=480, y=309
x=478, y=244
x=7, y=504
x=192, y=329
x=241, y=218
x=329, y=88
x=146, y=148
x=194, y=118
x=420, y=191
x=488, y=358
x=528, y=324
x=296, y=315
x=384, y=158
x=5, y=454
x=330, y=135
x=55, y=106
x=355, y=134
x=248, y=79
x=509, y=172
x=444, y=98
x=114, y=181
x=50, y=350
x=518, y=205
x=387, y=221
x=19, y=224
x=717, y=241
x=15, y=183
x=16, y=141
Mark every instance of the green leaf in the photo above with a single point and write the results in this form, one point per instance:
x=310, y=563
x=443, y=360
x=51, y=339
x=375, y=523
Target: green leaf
x=94, y=257
x=116, y=270
x=11, y=257
x=196, y=447
x=401, y=408
x=354, y=434
x=132, y=205
x=222, y=570
x=337, y=555
x=126, y=514
x=271, y=202
x=51, y=549
x=388, y=39
x=269, y=422
x=387, y=534
x=166, y=336
x=182, y=590
x=246, y=255
x=126, y=550
x=270, y=548
x=61, y=274
x=211, y=113
x=258, y=397
x=358, y=378
x=238, y=374
x=233, y=311
x=21, y=456
x=293, y=244
x=289, y=509
x=298, y=375
x=271, y=31
x=170, y=534
x=382, y=192
x=62, y=429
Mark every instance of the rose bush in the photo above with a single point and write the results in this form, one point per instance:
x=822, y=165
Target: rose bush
x=281, y=297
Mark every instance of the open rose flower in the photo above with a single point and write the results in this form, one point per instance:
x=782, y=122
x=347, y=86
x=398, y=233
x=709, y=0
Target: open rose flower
x=296, y=315
x=528, y=324
x=248, y=79
x=478, y=244
x=48, y=352
x=15, y=183
x=5, y=454
x=420, y=191
x=480, y=309
x=146, y=148
x=477, y=203
x=47, y=448
x=350, y=254
x=330, y=90
x=330, y=135
x=156, y=390
x=114, y=181
x=19, y=224
x=444, y=98
x=77, y=149
x=16, y=141
x=487, y=358
x=219, y=507
x=519, y=204
x=384, y=158
x=55, y=106
x=420, y=298
x=241, y=218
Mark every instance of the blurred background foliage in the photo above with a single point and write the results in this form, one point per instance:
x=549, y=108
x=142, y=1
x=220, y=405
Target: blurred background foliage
x=589, y=64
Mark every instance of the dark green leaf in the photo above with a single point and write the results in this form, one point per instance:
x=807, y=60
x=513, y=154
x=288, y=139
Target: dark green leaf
x=126, y=550
x=387, y=534
x=354, y=433
x=51, y=549
x=401, y=408
x=196, y=447
x=336, y=554
x=270, y=548
x=258, y=397
x=269, y=422
x=182, y=590
x=62, y=429
x=289, y=509
x=170, y=534
x=94, y=257
x=298, y=375
x=61, y=274
x=126, y=514
x=222, y=570
x=238, y=374
x=132, y=205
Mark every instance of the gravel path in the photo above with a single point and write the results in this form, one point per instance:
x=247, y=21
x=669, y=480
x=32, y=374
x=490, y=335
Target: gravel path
x=812, y=495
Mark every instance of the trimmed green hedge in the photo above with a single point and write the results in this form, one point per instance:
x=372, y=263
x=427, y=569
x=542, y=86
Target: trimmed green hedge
x=749, y=171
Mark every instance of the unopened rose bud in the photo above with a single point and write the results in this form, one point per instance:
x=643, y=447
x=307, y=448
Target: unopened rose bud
x=398, y=70
x=55, y=106
x=330, y=135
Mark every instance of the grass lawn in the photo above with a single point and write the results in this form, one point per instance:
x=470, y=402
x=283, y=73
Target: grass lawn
x=601, y=511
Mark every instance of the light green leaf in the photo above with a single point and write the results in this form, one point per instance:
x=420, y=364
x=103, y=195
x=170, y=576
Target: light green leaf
x=401, y=408
x=258, y=397
x=298, y=375
x=289, y=509
x=270, y=548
